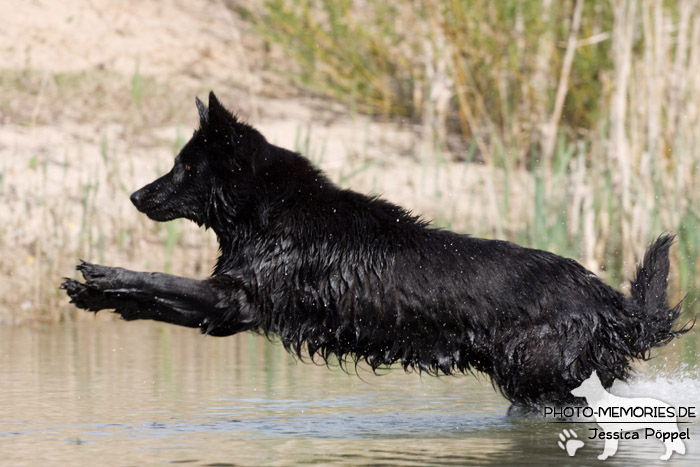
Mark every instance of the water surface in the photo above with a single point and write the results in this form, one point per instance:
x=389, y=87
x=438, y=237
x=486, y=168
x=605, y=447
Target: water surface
x=143, y=394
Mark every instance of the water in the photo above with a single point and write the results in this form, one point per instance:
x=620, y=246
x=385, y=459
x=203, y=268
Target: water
x=144, y=394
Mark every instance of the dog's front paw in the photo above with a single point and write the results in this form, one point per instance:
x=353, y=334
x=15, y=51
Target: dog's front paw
x=98, y=276
x=83, y=296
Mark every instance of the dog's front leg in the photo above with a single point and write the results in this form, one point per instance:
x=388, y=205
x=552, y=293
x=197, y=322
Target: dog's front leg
x=164, y=297
x=172, y=291
x=130, y=306
x=144, y=295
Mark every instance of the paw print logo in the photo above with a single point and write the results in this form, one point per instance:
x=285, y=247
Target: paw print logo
x=569, y=442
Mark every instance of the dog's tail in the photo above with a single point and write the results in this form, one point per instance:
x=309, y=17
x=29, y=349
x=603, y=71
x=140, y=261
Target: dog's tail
x=654, y=320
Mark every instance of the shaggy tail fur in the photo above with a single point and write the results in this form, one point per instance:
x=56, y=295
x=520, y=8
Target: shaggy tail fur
x=653, y=318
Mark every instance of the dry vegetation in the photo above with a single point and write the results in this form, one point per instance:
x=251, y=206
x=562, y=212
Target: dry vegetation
x=571, y=126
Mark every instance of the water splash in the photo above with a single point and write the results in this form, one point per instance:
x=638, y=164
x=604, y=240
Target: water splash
x=678, y=388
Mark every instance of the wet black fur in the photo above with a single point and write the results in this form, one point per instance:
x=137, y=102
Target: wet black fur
x=357, y=277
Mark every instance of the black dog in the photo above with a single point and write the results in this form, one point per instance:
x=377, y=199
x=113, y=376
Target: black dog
x=360, y=278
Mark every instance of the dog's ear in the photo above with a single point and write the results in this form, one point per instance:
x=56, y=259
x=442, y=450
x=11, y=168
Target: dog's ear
x=203, y=112
x=218, y=115
x=214, y=102
x=242, y=140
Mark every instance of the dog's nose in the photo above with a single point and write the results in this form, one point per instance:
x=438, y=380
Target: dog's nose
x=136, y=197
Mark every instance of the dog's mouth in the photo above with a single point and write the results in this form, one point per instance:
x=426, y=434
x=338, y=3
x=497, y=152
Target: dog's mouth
x=157, y=213
x=161, y=208
x=160, y=216
x=145, y=203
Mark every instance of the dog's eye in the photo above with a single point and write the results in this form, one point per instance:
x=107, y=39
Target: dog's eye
x=188, y=167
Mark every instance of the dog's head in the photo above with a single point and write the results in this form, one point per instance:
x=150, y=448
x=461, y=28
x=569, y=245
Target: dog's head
x=213, y=169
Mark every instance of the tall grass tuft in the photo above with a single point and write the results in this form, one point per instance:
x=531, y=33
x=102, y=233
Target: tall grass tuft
x=136, y=86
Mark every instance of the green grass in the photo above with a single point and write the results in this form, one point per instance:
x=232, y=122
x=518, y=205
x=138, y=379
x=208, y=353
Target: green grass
x=344, y=178
x=136, y=86
x=3, y=174
x=302, y=145
x=180, y=140
x=173, y=234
